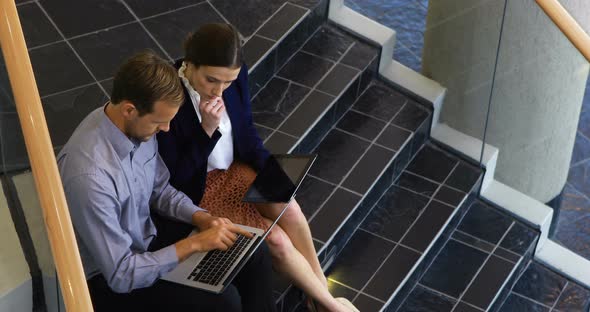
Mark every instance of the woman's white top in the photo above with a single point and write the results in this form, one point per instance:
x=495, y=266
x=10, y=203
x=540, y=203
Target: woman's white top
x=223, y=153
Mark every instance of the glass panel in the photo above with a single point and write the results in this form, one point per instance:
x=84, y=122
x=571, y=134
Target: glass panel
x=537, y=118
x=453, y=42
x=28, y=273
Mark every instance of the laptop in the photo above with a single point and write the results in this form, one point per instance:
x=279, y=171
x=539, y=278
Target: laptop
x=214, y=270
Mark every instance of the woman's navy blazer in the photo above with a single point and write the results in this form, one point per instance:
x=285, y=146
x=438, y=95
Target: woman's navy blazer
x=186, y=147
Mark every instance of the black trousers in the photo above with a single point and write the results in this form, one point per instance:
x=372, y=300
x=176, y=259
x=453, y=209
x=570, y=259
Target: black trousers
x=251, y=290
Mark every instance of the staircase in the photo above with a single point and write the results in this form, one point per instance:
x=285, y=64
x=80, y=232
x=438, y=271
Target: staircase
x=395, y=217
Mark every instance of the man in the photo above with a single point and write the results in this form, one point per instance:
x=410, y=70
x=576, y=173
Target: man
x=115, y=183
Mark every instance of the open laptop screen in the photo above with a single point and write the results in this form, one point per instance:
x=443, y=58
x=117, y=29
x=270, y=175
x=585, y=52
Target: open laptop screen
x=279, y=178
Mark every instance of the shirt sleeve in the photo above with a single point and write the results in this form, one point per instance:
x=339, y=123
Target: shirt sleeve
x=95, y=212
x=167, y=200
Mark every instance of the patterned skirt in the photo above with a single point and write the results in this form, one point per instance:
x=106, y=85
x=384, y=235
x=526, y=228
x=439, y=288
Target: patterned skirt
x=224, y=191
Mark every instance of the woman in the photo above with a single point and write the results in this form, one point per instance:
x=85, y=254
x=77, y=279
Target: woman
x=213, y=152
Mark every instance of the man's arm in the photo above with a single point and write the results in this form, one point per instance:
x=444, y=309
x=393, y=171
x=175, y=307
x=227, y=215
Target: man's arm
x=167, y=200
x=95, y=212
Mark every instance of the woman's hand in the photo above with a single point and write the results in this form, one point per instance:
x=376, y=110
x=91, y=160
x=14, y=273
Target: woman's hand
x=211, y=112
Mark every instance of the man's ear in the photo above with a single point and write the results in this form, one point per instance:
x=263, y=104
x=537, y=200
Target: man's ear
x=128, y=110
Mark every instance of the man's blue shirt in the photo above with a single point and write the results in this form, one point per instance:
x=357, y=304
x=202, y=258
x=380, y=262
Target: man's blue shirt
x=111, y=182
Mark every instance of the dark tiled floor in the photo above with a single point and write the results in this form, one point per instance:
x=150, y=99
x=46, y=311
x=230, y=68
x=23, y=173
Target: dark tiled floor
x=473, y=265
x=404, y=220
x=540, y=289
x=406, y=17
x=73, y=52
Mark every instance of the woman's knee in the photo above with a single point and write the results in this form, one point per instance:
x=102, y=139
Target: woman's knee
x=279, y=243
x=294, y=214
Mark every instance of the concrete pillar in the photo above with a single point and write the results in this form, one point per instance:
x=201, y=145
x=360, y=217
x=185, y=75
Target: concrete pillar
x=538, y=92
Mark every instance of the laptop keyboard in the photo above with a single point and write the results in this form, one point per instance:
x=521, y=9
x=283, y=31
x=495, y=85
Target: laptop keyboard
x=216, y=263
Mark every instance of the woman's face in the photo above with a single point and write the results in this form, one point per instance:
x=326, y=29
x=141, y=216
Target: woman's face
x=210, y=81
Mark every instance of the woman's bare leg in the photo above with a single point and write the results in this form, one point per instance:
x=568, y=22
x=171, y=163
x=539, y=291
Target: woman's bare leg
x=290, y=262
x=295, y=225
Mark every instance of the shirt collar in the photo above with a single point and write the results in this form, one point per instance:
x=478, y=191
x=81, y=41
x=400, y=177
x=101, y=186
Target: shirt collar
x=121, y=143
x=186, y=83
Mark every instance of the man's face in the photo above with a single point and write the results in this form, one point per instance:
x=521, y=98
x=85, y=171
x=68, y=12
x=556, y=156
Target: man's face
x=144, y=127
x=211, y=81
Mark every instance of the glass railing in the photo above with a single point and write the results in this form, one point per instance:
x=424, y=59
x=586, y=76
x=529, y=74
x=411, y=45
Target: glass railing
x=29, y=251
x=29, y=280
x=538, y=115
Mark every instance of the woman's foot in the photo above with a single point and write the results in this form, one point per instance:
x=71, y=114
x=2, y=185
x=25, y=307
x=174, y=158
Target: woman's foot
x=345, y=302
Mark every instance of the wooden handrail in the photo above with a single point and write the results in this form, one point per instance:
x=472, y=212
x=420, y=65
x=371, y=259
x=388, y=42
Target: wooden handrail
x=40, y=150
x=568, y=25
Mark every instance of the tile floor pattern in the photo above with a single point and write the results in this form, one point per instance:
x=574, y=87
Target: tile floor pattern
x=74, y=56
x=474, y=263
x=541, y=290
x=401, y=226
x=406, y=17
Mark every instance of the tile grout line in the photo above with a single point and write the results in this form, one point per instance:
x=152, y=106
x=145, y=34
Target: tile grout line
x=68, y=90
x=429, y=197
x=264, y=37
x=438, y=292
x=334, y=184
x=429, y=180
x=24, y=3
x=405, y=188
x=389, y=240
x=219, y=13
x=172, y=11
x=498, y=243
x=364, y=139
x=560, y=294
x=352, y=109
x=268, y=19
x=356, y=290
x=408, y=139
x=392, y=184
x=531, y=300
x=72, y=48
x=319, y=241
x=482, y=266
x=489, y=253
x=275, y=47
x=29, y=49
x=410, y=227
x=309, y=94
x=277, y=70
x=395, y=247
x=483, y=240
x=579, y=163
x=146, y=30
x=350, y=170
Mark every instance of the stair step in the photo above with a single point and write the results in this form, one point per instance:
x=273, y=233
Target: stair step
x=303, y=99
x=357, y=160
x=481, y=258
x=541, y=289
x=391, y=246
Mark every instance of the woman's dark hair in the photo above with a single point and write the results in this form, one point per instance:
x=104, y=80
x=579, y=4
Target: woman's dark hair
x=215, y=44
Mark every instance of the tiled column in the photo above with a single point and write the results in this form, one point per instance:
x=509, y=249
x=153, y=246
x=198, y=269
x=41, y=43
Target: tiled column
x=538, y=91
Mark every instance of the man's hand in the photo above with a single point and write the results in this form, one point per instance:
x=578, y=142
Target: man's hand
x=220, y=236
x=204, y=220
x=211, y=112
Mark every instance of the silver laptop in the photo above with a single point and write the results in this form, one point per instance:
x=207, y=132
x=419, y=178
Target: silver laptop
x=214, y=270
